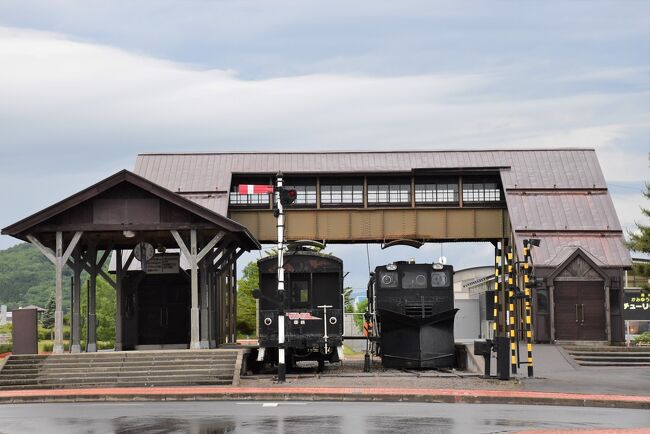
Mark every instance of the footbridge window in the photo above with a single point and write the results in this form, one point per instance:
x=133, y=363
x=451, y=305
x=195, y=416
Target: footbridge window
x=481, y=191
x=397, y=192
x=341, y=194
x=436, y=192
x=305, y=189
x=250, y=200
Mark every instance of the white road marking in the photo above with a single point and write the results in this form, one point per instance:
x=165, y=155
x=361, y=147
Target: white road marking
x=272, y=404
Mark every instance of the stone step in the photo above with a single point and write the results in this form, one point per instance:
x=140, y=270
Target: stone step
x=116, y=373
x=128, y=377
x=613, y=364
x=101, y=364
x=616, y=349
x=608, y=354
x=108, y=356
x=612, y=359
x=109, y=384
x=109, y=369
x=112, y=368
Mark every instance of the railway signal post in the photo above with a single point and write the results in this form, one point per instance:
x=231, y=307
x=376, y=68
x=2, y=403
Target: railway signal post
x=282, y=368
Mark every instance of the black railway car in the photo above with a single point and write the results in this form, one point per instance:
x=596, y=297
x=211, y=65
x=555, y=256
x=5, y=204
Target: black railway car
x=411, y=307
x=313, y=305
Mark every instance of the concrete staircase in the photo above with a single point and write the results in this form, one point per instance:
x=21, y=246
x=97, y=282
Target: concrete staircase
x=121, y=369
x=609, y=355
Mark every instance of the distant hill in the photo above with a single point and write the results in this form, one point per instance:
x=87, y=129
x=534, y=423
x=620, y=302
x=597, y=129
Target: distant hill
x=27, y=277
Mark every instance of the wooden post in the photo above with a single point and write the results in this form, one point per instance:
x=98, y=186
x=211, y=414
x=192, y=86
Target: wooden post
x=59, y=258
x=91, y=322
x=608, y=314
x=58, y=296
x=119, y=302
x=75, y=329
x=193, y=257
x=205, y=305
x=234, y=298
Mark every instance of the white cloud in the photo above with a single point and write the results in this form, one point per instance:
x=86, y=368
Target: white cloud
x=628, y=207
x=67, y=105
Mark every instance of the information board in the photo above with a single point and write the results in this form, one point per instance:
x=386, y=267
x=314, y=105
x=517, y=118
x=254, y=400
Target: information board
x=165, y=263
x=636, y=305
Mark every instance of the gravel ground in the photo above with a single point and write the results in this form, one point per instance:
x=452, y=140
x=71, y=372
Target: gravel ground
x=350, y=374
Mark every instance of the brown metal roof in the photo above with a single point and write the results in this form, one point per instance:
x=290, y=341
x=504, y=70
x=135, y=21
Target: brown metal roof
x=21, y=228
x=606, y=250
x=529, y=169
x=565, y=211
x=557, y=194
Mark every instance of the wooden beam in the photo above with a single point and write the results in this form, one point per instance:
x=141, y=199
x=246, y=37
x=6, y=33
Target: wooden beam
x=208, y=247
x=128, y=262
x=104, y=257
x=88, y=269
x=181, y=244
x=71, y=246
x=224, y=257
x=49, y=254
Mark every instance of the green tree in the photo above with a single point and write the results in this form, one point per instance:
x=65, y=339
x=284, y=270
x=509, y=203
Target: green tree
x=347, y=299
x=246, y=305
x=639, y=240
x=47, y=320
x=362, y=306
x=27, y=277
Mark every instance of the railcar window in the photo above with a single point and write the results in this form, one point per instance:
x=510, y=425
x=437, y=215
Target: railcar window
x=414, y=279
x=439, y=279
x=299, y=292
x=388, y=279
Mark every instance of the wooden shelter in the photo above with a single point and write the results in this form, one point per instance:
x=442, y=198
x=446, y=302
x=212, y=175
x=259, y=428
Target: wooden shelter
x=130, y=216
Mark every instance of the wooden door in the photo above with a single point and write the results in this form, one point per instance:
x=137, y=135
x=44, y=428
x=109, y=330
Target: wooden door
x=580, y=311
x=592, y=323
x=566, y=311
x=164, y=310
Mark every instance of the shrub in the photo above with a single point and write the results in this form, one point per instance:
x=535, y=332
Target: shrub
x=643, y=338
x=45, y=334
x=5, y=348
x=105, y=345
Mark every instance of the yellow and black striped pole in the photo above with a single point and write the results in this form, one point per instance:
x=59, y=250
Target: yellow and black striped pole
x=512, y=326
x=527, y=299
x=497, y=273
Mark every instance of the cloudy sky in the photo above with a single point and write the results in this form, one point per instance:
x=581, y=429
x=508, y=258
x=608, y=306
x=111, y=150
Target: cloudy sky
x=85, y=85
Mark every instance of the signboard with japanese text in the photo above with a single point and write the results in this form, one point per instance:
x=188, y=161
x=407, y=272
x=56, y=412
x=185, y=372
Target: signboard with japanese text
x=166, y=263
x=636, y=305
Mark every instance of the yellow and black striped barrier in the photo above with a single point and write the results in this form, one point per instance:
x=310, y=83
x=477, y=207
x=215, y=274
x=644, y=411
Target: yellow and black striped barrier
x=528, y=310
x=512, y=325
x=497, y=277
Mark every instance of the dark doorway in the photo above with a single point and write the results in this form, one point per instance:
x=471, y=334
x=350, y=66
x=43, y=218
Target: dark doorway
x=580, y=311
x=164, y=310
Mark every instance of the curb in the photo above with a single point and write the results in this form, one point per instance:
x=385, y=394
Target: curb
x=279, y=393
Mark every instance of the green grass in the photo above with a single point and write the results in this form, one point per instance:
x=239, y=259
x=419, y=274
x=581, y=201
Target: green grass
x=347, y=351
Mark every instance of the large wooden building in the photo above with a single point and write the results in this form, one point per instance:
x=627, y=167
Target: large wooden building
x=190, y=202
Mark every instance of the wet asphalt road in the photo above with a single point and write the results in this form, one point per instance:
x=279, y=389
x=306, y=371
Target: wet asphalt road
x=306, y=417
